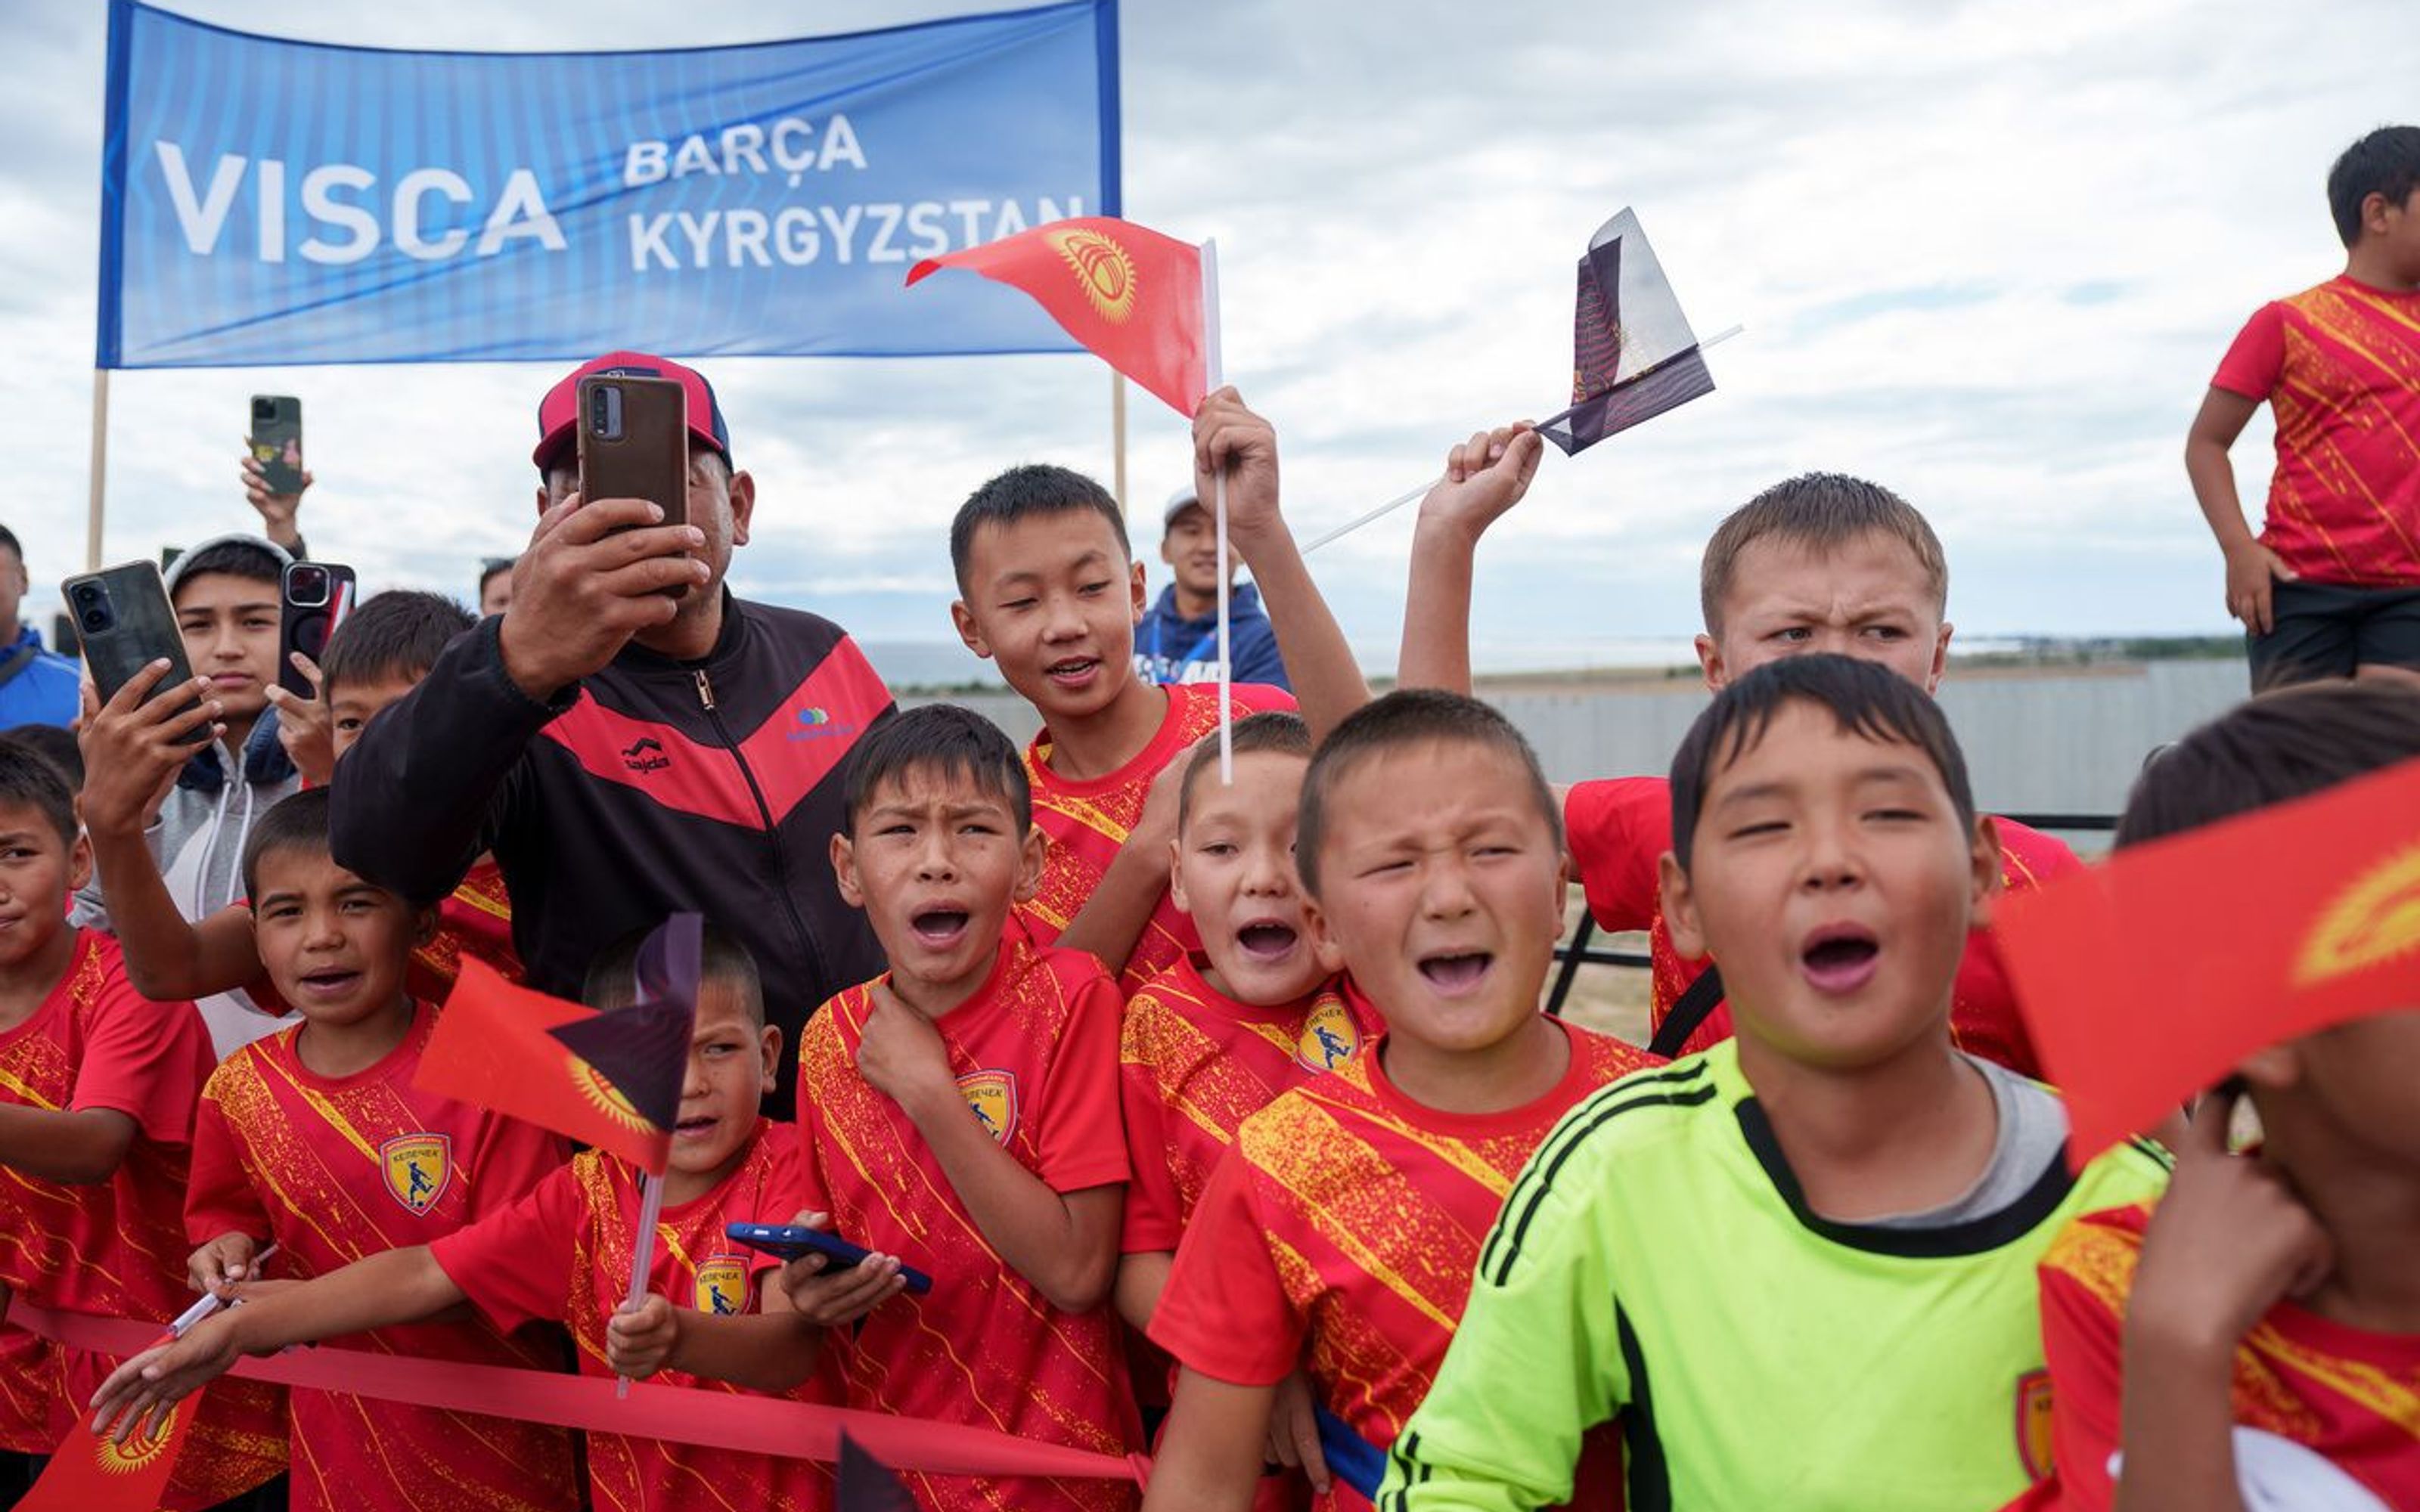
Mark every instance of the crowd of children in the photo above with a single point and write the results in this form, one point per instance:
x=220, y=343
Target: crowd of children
x=1201, y=1112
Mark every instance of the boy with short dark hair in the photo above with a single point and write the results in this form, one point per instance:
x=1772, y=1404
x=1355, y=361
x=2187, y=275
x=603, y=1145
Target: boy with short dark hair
x=377, y=654
x=1822, y=562
x=1338, y=1234
x=962, y=1118
x=316, y=1140
x=2269, y=1295
x=562, y=1252
x=191, y=808
x=2331, y=586
x=1050, y=589
x=1886, y=1193
x=97, y=1092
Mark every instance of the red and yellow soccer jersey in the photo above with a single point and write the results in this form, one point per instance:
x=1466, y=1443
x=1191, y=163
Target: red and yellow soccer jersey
x=2340, y=367
x=1087, y=822
x=1035, y=1052
x=1342, y=1231
x=335, y=1170
x=475, y=919
x=118, y=1249
x=562, y=1254
x=1195, y=1063
x=2350, y=1395
x=1618, y=829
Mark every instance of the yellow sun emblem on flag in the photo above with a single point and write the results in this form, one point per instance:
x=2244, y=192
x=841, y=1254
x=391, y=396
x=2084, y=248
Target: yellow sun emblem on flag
x=606, y=1096
x=1103, y=270
x=139, y=1450
x=2370, y=923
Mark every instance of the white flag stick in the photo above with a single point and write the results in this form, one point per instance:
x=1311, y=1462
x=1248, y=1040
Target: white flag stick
x=1408, y=496
x=1213, y=372
x=643, y=1252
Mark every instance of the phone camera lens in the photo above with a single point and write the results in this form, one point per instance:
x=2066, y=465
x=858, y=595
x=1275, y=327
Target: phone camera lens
x=307, y=586
x=95, y=620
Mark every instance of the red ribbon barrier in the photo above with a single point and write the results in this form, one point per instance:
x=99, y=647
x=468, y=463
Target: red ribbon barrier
x=713, y=1420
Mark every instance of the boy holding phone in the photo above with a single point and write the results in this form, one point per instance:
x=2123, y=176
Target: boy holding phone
x=562, y=1253
x=97, y=1094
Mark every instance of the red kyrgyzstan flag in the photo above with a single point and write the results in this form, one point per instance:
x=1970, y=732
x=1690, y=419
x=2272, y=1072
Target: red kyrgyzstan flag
x=1128, y=294
x=2151, y=976
x=90, y=1473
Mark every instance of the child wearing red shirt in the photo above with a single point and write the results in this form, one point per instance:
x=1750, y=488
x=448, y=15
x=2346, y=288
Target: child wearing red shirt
x=1050, y=589
x=959, y=1114
x=1816, y=563
x=97, y=1092
x=1340, y=1234
x=2253, y=1338
x=377, y=656
x=2330, y=587
x=562, y=1252
x=315, y=1139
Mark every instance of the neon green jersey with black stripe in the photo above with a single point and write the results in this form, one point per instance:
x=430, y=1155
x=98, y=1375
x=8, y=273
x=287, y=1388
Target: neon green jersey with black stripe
x=1657, y=1260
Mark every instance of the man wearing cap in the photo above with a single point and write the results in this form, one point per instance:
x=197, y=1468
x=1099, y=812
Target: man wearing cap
x=1178, y=641
x=627, y=754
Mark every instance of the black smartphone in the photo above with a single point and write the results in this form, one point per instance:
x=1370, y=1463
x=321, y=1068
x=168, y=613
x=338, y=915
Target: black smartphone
x=125, y=622
x=791, y=1242
x=276, y=438
x=314, y=597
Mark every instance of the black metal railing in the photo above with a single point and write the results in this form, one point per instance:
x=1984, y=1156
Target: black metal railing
x=1580, y=952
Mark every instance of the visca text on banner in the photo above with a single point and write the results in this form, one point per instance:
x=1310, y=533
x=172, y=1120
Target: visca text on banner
x=267, y=200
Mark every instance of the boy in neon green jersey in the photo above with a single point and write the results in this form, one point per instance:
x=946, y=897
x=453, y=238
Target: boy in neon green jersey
x=1798, y=1267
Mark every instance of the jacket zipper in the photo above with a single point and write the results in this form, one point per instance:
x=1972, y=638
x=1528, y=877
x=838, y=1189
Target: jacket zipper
x=764, y=814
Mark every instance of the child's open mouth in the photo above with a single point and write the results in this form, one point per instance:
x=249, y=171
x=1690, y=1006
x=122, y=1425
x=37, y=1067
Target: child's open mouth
x=1456, y=973
x=1268, y=941
x=696, y=1127
x=939, y=928
x=330, y=983
x=1839, y=959
x=1073, y=672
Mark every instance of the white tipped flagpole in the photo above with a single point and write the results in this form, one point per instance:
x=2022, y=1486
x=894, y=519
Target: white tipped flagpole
x=643, y=1252
x=1217, y=380
x=1406, y=496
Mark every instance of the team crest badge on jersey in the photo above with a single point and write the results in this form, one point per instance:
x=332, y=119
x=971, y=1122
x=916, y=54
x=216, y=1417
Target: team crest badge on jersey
x=418, y=1168
x=1329, y=1035
x=992, y=1095
x=2033, y=1422
x=722, y=1284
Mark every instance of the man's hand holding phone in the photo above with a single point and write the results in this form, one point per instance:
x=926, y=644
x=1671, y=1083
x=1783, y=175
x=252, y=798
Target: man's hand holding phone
x=134, y=747
x=594, y=575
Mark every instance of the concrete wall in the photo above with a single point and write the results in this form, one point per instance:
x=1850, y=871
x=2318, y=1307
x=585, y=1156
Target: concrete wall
x=2035, y=740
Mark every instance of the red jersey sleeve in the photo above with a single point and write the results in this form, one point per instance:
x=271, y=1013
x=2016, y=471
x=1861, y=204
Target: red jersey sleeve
x=517, y=1265
x=2253, y=365
x=2081, y=1346
x=145, y=1059
x=219, y=1198
x=1152, y=1224
x=1616, y=830
x=1080, y=1138
x=1225, y=1311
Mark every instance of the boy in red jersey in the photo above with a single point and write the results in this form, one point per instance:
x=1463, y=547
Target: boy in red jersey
x=97, y=1091
x=1816, y=563
x=562, y=1252
x=380, y=652
x=1340, y=1233
x=2254, y=1338
x=1050, y=589
x=2330, y=587
x=315, y=1140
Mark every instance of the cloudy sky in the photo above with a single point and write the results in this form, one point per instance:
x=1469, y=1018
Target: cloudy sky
x=1986, y=253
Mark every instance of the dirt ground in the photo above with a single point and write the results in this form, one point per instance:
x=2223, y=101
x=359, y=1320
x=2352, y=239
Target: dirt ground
x=1611, y=998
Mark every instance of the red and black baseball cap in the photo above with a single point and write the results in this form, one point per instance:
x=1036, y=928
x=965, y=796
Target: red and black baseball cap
x=558, y=412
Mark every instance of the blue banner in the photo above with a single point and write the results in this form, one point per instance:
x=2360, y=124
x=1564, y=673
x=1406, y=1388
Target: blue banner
x=268, y=201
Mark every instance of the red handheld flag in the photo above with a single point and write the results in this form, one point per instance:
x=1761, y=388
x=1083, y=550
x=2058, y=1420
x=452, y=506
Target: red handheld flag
x=511, y=1049
x=2151, y=976
x=1128, y=294
x=89, y=1474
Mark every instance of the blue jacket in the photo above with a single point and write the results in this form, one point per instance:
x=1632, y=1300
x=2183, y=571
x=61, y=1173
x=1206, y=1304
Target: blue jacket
x=43, y=691
x=1170, y=649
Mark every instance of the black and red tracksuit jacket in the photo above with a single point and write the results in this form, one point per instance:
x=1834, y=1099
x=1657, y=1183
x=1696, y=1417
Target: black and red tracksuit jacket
x=653, y=787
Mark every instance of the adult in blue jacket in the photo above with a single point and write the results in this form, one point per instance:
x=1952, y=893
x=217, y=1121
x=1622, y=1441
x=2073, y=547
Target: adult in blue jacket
x=36, y=686
x=1178, y=641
